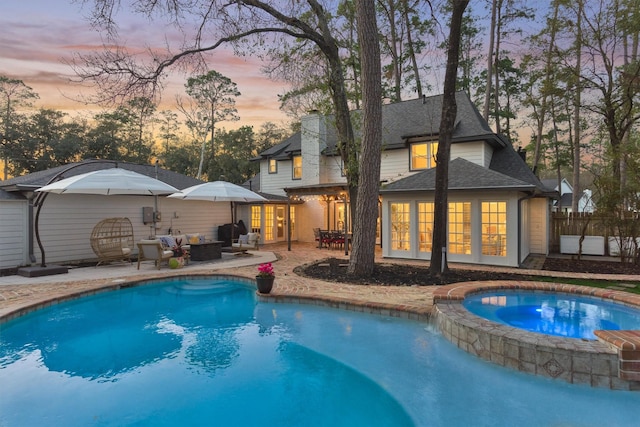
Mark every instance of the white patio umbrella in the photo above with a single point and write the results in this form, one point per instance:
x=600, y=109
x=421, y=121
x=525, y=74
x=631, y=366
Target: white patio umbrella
x=113, y=181
x=219, y=191
x=109, y=182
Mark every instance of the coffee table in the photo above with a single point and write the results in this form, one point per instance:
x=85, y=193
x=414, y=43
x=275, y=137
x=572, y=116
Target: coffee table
x=206, y=251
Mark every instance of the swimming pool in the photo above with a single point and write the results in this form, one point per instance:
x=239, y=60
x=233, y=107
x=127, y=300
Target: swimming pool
x=565, y=315
x=205, y=352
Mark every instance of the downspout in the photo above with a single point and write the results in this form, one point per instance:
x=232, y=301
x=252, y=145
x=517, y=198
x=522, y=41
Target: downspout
x=520, y=200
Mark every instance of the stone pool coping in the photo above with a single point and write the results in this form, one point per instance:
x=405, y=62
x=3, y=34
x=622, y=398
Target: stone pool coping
x=612, y=361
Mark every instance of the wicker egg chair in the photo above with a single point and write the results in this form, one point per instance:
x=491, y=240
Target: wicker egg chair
x=112, y=240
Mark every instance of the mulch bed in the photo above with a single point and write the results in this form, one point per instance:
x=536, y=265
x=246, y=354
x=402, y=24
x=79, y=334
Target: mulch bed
x=389, y=274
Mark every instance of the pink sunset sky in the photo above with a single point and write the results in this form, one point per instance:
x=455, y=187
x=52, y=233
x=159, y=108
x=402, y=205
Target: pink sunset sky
x=38, y=36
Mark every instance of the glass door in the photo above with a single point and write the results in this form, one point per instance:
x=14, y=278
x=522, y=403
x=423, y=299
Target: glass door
x=281, y=223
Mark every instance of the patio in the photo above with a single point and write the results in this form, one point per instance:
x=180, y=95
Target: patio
x=17, y=292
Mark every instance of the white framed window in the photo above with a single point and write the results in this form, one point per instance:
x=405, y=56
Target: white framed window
x=256, y=218
x=297, y=167
x=460, y=228
x=494, y=228
x=273, y=166
x=400, y=226
x=423, y=155
x=425, y=226
x=269, y=214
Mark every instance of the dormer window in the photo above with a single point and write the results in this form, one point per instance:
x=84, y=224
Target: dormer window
x=273, y=166
x=297, y=167
x=423, y=155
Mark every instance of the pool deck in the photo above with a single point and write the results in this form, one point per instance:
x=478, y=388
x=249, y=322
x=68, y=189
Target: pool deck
x=17, y=292
x=21, y=294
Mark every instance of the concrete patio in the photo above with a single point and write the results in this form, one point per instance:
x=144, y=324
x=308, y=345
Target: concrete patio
x=18, y=293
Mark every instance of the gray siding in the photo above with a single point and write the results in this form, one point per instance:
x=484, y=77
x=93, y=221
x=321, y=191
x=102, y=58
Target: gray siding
x=13, y=229
x=66, y=221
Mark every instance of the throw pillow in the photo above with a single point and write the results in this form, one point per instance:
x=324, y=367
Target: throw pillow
x=243, y=238
x=168, y=241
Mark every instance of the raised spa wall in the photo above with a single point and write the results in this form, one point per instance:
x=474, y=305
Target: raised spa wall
x=612, y=361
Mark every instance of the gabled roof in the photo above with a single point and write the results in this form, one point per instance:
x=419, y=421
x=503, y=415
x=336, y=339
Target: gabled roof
x=566, y=200
x=39, y=179
x=508, y=162
x=552, y=184
x=463, y=175
x=403, y=120
x=283, y=150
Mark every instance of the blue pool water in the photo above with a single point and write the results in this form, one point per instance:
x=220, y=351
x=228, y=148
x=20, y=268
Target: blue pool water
x=565, y=315
x=206, y=353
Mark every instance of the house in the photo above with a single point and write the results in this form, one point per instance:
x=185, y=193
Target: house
x=565, y=191
x=67, y=220
x=498, y=209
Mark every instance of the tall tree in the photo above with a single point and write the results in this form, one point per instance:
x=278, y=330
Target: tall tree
x=505, y=21
x=198, y=124
x=364, y=227
x=236, y=149
x=141, y=112
x=13, y=94
x=470, y=57
x=216, y=96
x=490, y=59
x=169, y=127
x=577, y=99
x=541, y=84
x=47, y=141
x=106, y=138
x=611, y=70
x=438, y=265
x=402, y=35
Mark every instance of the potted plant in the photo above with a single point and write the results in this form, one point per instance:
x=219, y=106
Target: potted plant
x=178, y=255
x=265, y=278
x=178, y=250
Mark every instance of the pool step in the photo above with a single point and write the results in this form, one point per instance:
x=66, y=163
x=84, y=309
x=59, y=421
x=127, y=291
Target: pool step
x=628, y=345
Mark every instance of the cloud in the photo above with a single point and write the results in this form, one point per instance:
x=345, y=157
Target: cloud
x=40, y=37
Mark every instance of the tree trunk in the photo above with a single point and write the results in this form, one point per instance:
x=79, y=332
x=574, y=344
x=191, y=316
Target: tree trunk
x=542, y=114
x=577, y=192
x=496, y=68
x=363, y=255
x=412, y=53
x=438, y=264
x=492, y=30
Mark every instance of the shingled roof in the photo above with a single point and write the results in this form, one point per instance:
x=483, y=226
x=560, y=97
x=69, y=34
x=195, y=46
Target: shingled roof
x=507, y=171
x=39, y=179
x=283, y=150
x=401, y=121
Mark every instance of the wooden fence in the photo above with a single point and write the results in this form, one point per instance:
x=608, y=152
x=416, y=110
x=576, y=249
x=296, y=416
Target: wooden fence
x=593, y=224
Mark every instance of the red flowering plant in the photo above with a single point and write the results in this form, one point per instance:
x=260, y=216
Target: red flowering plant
x=266, y=270
x=177, y=249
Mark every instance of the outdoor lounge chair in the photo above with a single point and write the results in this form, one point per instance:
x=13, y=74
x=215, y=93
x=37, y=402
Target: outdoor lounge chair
x=151, y=250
